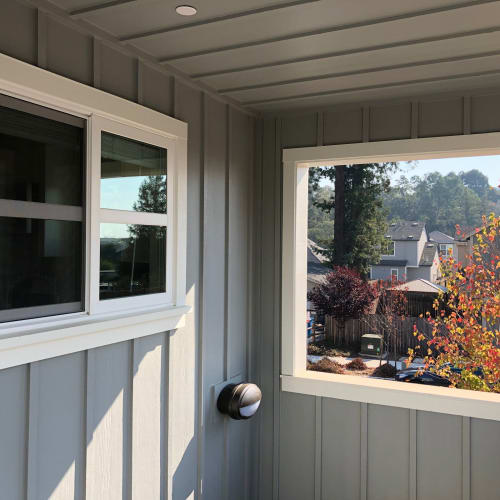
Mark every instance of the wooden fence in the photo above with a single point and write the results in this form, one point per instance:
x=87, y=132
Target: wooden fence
x=374, y=323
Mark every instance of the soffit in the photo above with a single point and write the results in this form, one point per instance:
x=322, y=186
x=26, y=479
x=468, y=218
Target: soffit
x=277, y=54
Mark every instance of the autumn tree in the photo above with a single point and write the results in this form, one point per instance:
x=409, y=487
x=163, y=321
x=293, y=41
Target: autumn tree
x=343, y=294
x=464, y=345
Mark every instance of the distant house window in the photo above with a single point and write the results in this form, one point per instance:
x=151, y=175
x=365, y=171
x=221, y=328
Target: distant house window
x=370, y=270
x=389, y=248
x=394, y=274
x=42, y=158
x=445, y=249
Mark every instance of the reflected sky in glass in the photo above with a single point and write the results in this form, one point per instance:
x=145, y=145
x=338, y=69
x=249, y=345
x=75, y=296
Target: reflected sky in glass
x=133, y=175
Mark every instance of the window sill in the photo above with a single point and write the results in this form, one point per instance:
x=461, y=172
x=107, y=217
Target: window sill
x=392, y=393
x=81, y=332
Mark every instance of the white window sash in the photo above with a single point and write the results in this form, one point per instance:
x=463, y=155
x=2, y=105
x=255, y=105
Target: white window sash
x=100, y=215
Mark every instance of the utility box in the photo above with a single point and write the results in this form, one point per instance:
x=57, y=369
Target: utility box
x=372, y=344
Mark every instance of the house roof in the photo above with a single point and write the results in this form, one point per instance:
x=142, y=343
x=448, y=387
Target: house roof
x=439, y=237
x=421, y=286
x=428, y=255
x=405, y=230
x=316, y=267
x=391, y=262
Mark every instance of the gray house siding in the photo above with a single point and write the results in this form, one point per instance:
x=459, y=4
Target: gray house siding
x=380, y=272
x=135, y=419
x=317, y=448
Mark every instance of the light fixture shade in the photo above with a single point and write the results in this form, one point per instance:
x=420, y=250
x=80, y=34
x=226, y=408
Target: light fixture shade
x=239, y=401
x=185, y=10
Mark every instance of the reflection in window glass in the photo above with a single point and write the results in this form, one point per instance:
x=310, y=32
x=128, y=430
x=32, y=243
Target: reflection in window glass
x=41, y=160
x=40, y=264
x=133, y=260
x=133, y=175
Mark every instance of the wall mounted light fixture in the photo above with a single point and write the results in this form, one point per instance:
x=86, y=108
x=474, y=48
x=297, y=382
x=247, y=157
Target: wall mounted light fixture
x=239, y=401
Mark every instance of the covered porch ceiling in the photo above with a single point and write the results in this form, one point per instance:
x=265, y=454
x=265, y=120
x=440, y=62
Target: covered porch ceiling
x=276, y=54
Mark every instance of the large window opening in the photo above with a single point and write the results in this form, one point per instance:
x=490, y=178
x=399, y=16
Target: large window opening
x=403, y=268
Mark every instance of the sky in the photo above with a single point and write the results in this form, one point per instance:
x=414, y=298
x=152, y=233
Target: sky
x=488, y=165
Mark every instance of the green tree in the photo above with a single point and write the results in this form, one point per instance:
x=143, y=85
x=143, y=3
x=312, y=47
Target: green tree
x=360, y=219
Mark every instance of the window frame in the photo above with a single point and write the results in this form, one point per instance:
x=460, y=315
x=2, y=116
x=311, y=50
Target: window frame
x=106, y=215
x=29, y=340
x=393, y=249
x=397, y=273
x=294, y=376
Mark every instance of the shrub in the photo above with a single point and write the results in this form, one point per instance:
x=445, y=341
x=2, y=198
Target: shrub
x=385, y=371
x=326, y=365
x=356, y=364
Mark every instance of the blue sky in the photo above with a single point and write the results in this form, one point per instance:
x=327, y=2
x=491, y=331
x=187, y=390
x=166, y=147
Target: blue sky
x=488, y=165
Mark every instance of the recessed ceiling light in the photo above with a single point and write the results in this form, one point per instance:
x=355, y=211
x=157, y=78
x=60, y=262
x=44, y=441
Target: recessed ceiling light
x=185, y=10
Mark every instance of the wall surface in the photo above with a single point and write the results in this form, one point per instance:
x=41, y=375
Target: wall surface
x=314, y=448
x=135, y=419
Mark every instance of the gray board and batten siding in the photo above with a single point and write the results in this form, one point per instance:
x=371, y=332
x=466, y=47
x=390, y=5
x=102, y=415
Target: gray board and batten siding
x=134, y=419
x=314, y=448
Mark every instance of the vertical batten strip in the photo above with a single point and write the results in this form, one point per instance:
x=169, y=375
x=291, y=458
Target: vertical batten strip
x=227, y=369
x=366, y=124
x=226, y=360
x=363, y=468
x=318, y=448
x=320, y=118
x=164, y=419
x=96, y=63
x=33, y=408
x=467, y=114
x=140, y=82
x=412, y=487
x=277, y=304
x=466, y=459
x=200, y=416
x=41, y=39
x=414, y=119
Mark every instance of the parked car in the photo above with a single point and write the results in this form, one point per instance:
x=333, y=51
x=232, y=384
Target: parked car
x=416, y=376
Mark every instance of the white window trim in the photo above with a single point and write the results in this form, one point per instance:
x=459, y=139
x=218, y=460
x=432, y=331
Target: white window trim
x=294, y=376
x=31, y=340
x=397, y=273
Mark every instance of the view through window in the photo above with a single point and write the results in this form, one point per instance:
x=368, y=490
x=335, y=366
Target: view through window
x=403, y=268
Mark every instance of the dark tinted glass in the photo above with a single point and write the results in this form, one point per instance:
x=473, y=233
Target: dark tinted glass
x=41, y=160
x=40, y=262
x=133, y=260
x=133, y=175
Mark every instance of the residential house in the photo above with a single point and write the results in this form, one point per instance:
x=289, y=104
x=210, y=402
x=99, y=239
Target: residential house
x=447, y=245
x=408, y=254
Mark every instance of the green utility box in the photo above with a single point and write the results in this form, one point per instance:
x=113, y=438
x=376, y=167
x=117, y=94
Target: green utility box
x=372, y=344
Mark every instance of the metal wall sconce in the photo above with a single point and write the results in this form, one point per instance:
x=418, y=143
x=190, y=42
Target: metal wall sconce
x=239, y=401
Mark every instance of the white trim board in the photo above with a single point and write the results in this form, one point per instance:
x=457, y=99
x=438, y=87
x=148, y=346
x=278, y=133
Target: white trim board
x=295, y=378
x=399, y=394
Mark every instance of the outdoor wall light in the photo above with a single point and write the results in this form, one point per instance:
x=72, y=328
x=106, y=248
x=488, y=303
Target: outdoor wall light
x=239, y=401
x=185, y=10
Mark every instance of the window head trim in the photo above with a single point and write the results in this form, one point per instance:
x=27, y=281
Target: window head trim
x=295, y=377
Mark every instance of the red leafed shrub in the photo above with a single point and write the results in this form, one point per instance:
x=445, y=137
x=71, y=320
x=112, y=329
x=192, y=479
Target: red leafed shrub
x=326, y=365
x=343, y=294
x=356, y=364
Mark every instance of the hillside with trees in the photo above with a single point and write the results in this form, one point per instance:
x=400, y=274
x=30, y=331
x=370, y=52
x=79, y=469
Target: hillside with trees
x=371, y=200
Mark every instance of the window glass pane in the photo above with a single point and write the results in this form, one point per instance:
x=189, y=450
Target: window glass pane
x=41, y=160
x=40, y=263
x=133, y=260
x=133, y=175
